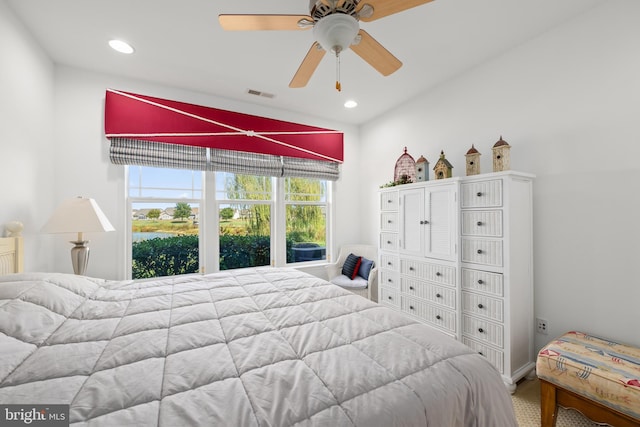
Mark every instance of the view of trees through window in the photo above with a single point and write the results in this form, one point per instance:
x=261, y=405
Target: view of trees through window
x=166, y=231
x=306, y=221
x=164, y=240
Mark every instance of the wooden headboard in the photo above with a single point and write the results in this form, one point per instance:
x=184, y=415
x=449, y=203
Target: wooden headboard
x=11, y=254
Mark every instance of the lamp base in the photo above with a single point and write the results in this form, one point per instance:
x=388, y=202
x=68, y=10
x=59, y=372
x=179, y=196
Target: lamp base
x=80, y=256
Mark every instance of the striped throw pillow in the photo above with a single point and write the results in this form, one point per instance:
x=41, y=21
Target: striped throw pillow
x=351, y=266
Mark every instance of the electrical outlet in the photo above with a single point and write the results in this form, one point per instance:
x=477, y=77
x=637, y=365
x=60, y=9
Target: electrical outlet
x=542, y=326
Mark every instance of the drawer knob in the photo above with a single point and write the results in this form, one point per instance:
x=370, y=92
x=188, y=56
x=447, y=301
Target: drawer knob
x=479, y=223
x=479, y=194
x=389, y=221
x=389, y=280
x=388, y=242
x=438, y=296
x=480, y=281
x=411, y=268
x=390, y=297
x=480, y=306
x=389, y=263
x=438, y=317
x=480, y=353
x=481, y=330
x=389, y=201
x=479, y=251
x=424, y=222
x=411, y=288
x=438, y=274
x=410, y=307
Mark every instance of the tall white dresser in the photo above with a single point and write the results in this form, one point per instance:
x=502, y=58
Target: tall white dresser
x=457, y=254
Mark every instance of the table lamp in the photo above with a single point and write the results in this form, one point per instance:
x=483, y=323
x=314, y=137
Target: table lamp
x=78, y=215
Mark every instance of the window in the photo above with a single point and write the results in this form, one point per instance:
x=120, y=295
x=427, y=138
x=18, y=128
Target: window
x=164, y=206
x=244, y=210
x=306, y=219
x=171, y=232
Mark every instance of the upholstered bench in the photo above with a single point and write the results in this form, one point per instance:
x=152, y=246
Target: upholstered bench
x=597, y=377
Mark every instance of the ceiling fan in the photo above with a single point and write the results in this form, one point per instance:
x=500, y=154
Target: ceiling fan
x=336, y=27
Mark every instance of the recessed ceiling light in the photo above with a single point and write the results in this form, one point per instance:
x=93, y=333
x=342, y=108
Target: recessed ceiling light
x=120, y=46
x=350, y=104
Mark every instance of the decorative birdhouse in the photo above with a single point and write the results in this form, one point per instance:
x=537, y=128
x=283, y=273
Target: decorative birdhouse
x=473, y=161
x=422, y=169
x=501, y=156
x=443, y=169
x=405, y=171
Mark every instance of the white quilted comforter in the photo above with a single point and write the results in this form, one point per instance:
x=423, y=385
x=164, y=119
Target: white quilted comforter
x=251, y=347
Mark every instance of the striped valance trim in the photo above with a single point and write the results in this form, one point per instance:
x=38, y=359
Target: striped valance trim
x=125, y=151
x=157, y=154
x=306, y=168
x=240, y=162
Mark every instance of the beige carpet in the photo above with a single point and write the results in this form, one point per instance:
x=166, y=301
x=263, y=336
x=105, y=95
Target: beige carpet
x=526, y=402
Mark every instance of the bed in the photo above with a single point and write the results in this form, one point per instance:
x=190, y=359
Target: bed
x=251, y=347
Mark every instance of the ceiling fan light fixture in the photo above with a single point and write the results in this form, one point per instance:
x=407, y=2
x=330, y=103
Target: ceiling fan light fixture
x=336, y=32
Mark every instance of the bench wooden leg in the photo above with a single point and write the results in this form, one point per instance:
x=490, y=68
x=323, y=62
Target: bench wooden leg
x=548, y=404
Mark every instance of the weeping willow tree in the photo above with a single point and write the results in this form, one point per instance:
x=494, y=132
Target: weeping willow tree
x=306, y=222
x=257, y=217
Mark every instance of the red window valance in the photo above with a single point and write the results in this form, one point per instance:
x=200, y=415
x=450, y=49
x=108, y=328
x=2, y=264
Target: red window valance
x=145, y=118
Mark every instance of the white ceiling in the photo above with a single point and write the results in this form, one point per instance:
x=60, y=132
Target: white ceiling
x=181, y=44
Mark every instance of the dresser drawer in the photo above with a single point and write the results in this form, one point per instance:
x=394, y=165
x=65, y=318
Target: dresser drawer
x=389, y=297
x=436, y=316
x=482, y=281
x=496, y=357
x=389, y=221
x=483, y=330
x=437, y=294
x=438, y=273
x=389, y=262
x=482, y=223
x=389, y=201
x=482, y=305
x=389, y=241
x=482, y=251
x=390, y=279
x=481, y=194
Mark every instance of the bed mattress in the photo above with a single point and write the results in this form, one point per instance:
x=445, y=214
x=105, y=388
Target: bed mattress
x=250, y=347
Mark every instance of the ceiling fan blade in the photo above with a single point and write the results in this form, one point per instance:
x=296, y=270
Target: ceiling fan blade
x=382, y=8
x=308, y=66
x=375, y=54
x=263, y=22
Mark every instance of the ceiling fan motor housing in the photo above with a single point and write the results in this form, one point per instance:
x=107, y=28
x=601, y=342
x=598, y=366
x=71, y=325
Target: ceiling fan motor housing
x=319, y=9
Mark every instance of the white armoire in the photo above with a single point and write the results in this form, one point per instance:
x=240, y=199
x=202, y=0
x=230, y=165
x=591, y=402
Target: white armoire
x=457, y=255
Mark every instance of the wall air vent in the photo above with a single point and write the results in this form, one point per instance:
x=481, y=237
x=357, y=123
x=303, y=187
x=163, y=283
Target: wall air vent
x=260, y=93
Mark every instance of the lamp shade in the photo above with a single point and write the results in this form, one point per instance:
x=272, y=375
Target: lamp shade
x=78, y=215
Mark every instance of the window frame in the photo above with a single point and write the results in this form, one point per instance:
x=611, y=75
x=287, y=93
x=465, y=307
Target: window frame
x=209, y=225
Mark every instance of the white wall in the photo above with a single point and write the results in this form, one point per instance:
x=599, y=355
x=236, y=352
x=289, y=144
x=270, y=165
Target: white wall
x=26, y=136
x=568, y=104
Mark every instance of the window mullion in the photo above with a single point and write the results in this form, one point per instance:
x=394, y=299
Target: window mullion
x=210, y=233
x=279, y=224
